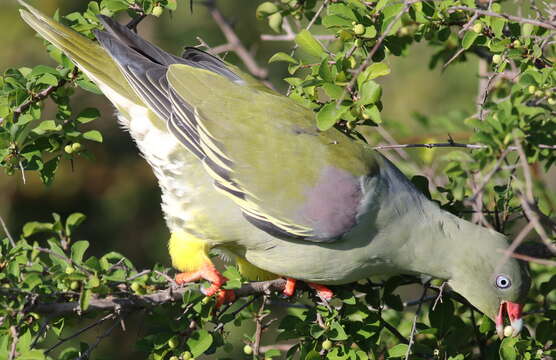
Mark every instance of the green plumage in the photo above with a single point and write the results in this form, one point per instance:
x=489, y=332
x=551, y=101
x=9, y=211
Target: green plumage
x=245, y=169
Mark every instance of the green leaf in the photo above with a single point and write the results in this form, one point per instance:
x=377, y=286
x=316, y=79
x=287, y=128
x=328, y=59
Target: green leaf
x=93, y=135
x=337, y=332
x=199, y=342
x=469, y=39
x=49, y=169
x=265, y=9
x=115, y=5
x=329, y=114
x=89, y=86
x=507, y=349
x=373, y=113
x=282, y=56
x=43, y=69
x=369, y=93
x=87, y=115
x=85, y=299
x=497, y=25
x=275, y=22
x=336, y=21
x=48, y=79
x=373, y=71
x=398, y=350
x=47, y=126
x=36, y=227
x=441, y=317
x=312, y=355
x=305, y=40
x=78, y=250
x=73, y=221
x=324, y=71
x=332, y=90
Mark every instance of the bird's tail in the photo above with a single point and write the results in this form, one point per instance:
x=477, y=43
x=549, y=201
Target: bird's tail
x=91, y=58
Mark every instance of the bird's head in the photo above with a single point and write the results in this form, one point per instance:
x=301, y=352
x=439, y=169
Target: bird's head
x=493, y=282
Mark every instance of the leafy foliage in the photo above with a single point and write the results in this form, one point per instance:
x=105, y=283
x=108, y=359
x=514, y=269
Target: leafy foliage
x=48, y=280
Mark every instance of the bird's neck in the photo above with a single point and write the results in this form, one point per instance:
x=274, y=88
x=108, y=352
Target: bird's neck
x=435, y=241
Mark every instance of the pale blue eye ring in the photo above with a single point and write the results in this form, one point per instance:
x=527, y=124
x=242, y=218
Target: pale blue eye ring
x=503, y=282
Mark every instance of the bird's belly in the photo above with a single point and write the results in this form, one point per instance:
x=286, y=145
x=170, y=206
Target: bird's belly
x=328, y=264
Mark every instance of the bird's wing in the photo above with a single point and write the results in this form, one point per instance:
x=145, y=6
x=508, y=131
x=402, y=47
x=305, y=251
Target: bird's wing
x=264, y=151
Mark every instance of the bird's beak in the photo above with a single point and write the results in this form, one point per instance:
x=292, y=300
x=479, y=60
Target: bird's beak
x=513, y=311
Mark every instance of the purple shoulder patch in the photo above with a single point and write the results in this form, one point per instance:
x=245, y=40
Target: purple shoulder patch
x=332, y=204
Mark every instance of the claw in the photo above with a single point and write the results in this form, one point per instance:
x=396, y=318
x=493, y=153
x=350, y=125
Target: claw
x=208, y=272
x=322, y=291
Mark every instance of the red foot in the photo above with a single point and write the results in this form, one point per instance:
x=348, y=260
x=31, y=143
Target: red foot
x=208, y=272
x=322, y=291
x=289, y=289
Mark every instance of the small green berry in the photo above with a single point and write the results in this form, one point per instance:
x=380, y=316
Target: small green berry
x=327, y=344
x=75, y=285
x=539, y=93
x=69, y=270
x=516, y=43
x=547, y=92
x=174, y=358
x=76, y=146
x=174, y=342
x=68, y=149
x=404, y=31
x=138, y=288
x=478, y=28
x=186, y=355
x=552, y=101
x=531, y=89
x=248, y=350
x=157, y=11
x=497, y=58
x=359, y=29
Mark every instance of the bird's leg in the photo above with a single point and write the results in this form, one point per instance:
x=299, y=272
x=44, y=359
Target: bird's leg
x=189, y=254
x=208, y=272
x=322, y=291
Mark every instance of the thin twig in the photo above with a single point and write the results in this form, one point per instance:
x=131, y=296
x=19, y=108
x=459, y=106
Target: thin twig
x=104, y=335
x=236, y=44
x=369, y=59
x=7, y=232
x=15, y=339
x=394, y=331
x=259, y=327
x=450, y=145
x=414, y=326
x=63, y=257
x=518, y=19
x=488, y=176
x=534, y=259
x=478, y=339
x=79, y=332
x=43, y=94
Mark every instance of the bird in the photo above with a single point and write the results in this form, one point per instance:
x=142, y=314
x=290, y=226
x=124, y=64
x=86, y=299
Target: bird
x=245, y=172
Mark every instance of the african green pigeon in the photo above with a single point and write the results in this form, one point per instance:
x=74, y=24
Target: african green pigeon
x=245, y=171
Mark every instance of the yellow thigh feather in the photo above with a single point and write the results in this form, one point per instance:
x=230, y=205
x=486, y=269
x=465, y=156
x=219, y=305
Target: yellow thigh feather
x=188, y=252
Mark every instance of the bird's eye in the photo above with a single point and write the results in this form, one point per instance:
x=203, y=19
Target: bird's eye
x=503, y=282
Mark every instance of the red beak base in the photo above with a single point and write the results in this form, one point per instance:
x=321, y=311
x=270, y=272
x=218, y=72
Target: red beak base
x=513, y=310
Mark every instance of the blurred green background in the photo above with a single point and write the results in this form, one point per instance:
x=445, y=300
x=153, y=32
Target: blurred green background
x=118, y=191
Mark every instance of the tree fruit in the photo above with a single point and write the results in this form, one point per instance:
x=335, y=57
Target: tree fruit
x=248, y=350
x=327, y=345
